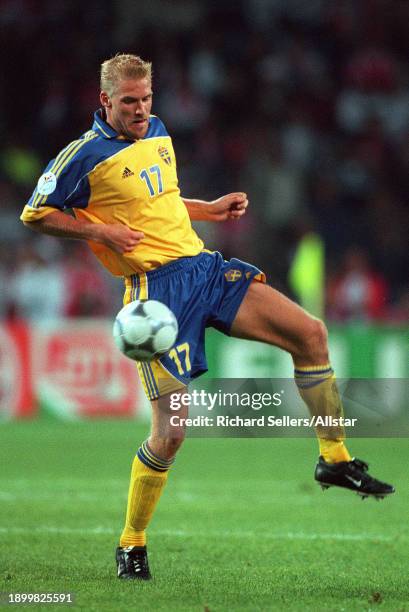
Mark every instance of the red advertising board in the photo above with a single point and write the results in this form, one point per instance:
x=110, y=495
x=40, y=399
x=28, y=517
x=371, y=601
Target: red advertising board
x=16, y=389
x=72, y=368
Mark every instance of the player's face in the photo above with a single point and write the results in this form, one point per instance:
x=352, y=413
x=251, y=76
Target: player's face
x=128, y=109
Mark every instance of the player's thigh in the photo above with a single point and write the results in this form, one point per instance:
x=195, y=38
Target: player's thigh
x=269, y=316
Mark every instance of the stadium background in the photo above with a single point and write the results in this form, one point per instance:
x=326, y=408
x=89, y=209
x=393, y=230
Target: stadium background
x=303, y=105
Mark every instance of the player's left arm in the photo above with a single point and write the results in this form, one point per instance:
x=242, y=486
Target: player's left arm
x=230, y=206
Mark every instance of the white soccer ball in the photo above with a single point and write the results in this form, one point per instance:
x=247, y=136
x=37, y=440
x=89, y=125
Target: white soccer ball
x=145, y=329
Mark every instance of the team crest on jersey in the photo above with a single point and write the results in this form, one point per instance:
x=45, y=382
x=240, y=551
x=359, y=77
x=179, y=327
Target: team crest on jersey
x=164, y=154
x=232, y=275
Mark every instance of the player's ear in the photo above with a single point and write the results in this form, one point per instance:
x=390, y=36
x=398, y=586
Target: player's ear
x=105, y=99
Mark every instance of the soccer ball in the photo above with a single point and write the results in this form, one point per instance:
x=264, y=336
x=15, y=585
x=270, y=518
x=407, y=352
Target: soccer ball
x=145, y=329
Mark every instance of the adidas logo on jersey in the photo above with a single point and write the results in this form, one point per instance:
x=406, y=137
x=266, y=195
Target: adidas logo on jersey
x=127, y=172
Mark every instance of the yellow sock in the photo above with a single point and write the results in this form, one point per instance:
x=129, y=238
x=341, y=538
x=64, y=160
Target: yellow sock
x=148, y=478
x=319, y=391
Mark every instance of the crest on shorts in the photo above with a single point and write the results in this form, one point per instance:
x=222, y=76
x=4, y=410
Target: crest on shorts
x=232, y=275
x=164, y=154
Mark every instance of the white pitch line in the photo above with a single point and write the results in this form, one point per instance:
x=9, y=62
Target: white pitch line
x=6, y=496
x=63, y=482
x=59, y=496
x=86, y=496
x=60, y=530
x=353, y=537
x=99, y=530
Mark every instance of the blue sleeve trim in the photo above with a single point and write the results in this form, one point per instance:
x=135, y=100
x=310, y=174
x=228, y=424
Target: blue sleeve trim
x=71, y=168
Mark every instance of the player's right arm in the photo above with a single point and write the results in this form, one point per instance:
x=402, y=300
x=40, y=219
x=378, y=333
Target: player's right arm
x=64, y=185
x=116, y=236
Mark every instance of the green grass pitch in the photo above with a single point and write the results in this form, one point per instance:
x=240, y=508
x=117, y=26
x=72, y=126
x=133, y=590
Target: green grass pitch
x=241, y=525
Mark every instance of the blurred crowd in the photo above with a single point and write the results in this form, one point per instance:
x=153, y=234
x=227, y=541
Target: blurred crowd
x=303, y=105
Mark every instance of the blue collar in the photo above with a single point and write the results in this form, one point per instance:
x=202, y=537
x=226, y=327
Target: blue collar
x=156, y=127
x=102, y=127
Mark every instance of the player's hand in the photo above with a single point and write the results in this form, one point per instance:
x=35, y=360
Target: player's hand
x=120, y=238
x=230, y=206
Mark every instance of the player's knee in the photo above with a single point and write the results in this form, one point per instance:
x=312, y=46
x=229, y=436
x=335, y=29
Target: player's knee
x=172, y=445
x=320, y=333
x=318, y=340
x=315, y=340
x=166, y=446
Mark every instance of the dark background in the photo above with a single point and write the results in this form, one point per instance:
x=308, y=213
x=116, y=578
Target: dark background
x=303, y=105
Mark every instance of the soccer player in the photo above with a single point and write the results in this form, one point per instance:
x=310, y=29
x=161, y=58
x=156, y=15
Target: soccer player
x=120, y=181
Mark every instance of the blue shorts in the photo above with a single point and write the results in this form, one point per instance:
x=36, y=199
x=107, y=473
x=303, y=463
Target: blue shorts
x=202, y=291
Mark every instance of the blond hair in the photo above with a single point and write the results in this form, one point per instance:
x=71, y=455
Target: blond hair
x=123, y=66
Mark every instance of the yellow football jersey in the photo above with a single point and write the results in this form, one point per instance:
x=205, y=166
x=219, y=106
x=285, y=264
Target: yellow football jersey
x=107, y=179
